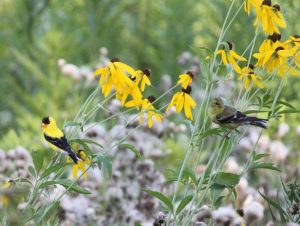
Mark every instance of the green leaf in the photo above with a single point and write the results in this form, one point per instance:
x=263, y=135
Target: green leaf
x=43, y=211
x=162, y=198
x=32, y=171
x=68, y=184
x=133, y=149
x=54, y=168
x=215, y=194
x=72, y=124
x=227, y=179
x=183, y=203
x=255, y=111
x=38, y=160
x=263, y=165
x=84, y=143
x=259, y=156
x=106, y=162
x=286, y=104
x=211, y=132
x=289, y=111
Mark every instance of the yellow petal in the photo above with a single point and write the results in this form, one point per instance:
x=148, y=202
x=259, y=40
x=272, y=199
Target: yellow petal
x=236, y=56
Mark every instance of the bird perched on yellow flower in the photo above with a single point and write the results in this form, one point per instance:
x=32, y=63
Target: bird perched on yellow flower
x=183, y=100
x=270, y=17
x=56, y=137
x=185, y=79
x=229, y=56
x=249, y=76
x=230, y=118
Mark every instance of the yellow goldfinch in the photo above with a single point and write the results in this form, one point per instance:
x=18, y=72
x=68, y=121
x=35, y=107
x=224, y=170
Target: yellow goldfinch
x=56, y=137
x=230, y=118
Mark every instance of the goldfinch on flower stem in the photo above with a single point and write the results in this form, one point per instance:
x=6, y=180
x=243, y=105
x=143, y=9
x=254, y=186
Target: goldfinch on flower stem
x=230, y=118
x=56, y=137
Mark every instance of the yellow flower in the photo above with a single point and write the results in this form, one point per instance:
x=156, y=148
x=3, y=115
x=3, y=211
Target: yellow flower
x=269, y=17
x=7, y=184
x=182, y=100
x=150, y=111
x=230, y=56
x=143, y=77
x=132, y=90
x=254, y=3
x=185, y=79
x=293, y=41
x=250, y=77
x=276, y=58
x=3, y=198
x=83, y=159
x=114, y=75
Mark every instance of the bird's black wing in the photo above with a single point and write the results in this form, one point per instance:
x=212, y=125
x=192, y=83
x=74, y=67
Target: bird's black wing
x=237, y=117
x=61, y=142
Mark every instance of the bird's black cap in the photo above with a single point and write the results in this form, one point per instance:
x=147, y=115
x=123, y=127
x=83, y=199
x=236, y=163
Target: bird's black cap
x=46, y=120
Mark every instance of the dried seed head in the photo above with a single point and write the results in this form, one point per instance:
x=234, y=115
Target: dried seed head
x=190, y=74
x=115, y=60
x=146, y=71
x=279, y=48
x=274, y=37
x=277, y=7
x=151, y=99
x=188, y=90
x=230, y=45
x=267, y=2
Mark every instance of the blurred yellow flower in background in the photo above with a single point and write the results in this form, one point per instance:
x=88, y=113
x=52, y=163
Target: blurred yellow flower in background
x=183, y=100
x=269, y=17
x=230, y=56
x=249, y=77
x=185, y=79
x=150, y=111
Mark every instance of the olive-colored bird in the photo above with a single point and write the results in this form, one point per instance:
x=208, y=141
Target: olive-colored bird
x=230, y=118
x=56, y=137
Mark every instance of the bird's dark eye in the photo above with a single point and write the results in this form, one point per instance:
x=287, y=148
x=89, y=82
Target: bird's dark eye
x=46, y=120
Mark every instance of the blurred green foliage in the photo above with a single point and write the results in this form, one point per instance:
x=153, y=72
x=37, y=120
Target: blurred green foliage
x=36, y=33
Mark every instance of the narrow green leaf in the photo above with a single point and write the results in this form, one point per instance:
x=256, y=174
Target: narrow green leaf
x=67, y=184
x=215, y=193
x=133, y=149
x=255, y=111
x=286, y=104
x=210, y=132
x=162, y=198
x=54, y=168
x=227, y=179
x=106, y=162
x=32, y=171
x=72, y=124
x=183, y=203
x=38, y=160
x=289, y=111
x=259, y=156
x=263, y=165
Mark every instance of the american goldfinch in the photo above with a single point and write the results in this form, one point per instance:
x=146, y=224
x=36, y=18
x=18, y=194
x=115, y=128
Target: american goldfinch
x=56, y=137
x=231, y=118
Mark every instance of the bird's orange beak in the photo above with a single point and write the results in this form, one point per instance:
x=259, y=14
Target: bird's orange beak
x=43, y=125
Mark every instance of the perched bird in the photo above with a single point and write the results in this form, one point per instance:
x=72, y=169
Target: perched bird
x=56, y=137
x=230, y=118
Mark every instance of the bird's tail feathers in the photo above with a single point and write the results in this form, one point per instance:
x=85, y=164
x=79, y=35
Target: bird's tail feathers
x=263, y=123
x=72, y=155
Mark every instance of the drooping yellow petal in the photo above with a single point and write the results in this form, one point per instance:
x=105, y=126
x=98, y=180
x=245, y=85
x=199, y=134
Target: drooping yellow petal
x=236, y=56
x=75, y=171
